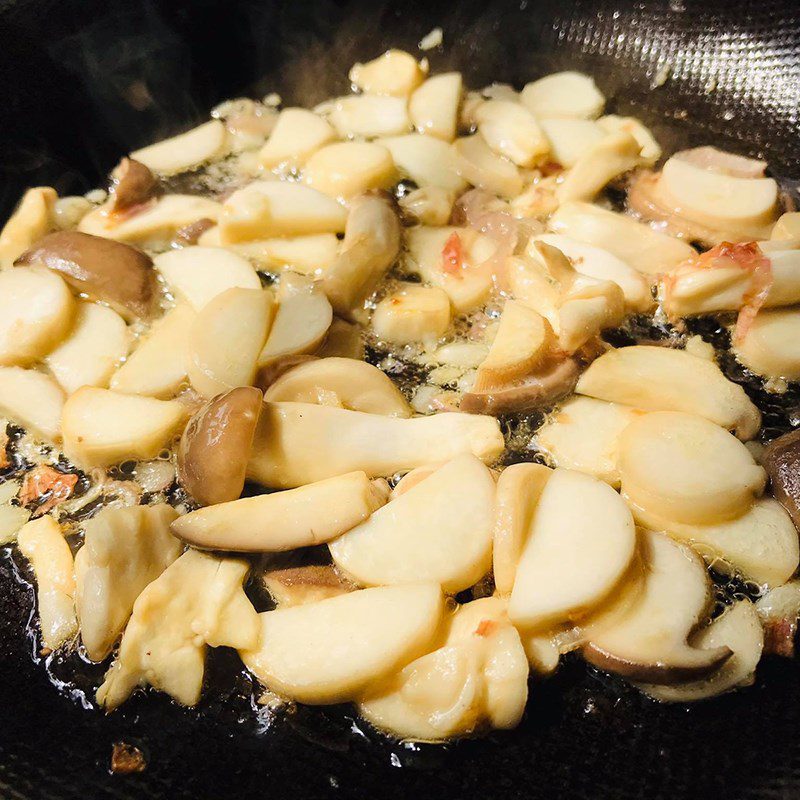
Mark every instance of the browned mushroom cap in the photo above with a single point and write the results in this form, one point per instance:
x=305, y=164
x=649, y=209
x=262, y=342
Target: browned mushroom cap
x=215, y=447
x=132, y=184
x=534, y=391
x=781, y=460
x=113, y=272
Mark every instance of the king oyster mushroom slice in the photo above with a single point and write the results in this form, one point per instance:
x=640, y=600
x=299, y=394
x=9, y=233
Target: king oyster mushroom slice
x=186, y=150
x=781, y=459
x=638, y=245
x=132, y=184
x=298, y=134
x=787, y=228
x=477, y=676
x=309, y=515
x=332, y=650
x=33, y=400
x=650, y=642
x=42, y=542
x=215, y=446
x=344, y=170
x=198, y=601
x=395, y=73
x=770, y=347
x=581, y=544
x=739, y=630
x=298, y=443
x=124, y=549
x=583, y=434
x=344, y=382
x=425, y=160
x=433, y=107
x=371, y=245
x=664, y=379
x=297, y=586
x=511, y=131
x=412, y=313
x=31, y=220
x=113, y=272
x=564, y=94
x=684, y=468
x=519, y=488
x=439, y=530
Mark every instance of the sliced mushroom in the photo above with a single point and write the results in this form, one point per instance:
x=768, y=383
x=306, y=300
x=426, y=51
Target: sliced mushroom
x=433, y=107
x=781, y=459
x=33, y=400
x=412, y=313
x=344, y=340
x=98, y=342
x=297, y=134
x=124, y=549
x=511, y=131
x=645, y=249
x=518, y=491
x=344, y=382
x=581, y=543
x=159, y=365
x=331, y=650
x=298, y=586
x=186, y=150
x=439, y=530
x=371, y=245
x=101, y=427
x=269, y=523
x=298, y=443
x=37, y=311
x=787, y=228
x=563, y=94
x=198, y=601
x=664, y=379
x=31, y=220
x=431, y=205
x=395, y=73
x=215, y=446
x=112, y=272
x=570, y=138
x=684, y=468
x=132, y=184
x=650, y=642
x=480, y=166
x=771, y=345
x=369, y=115
x=42, y=542
x=738, y=630
x=346, y=169
x=426, y=160
x=650, y=148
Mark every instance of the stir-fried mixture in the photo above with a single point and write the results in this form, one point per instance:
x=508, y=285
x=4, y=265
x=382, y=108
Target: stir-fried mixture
x=381, y=321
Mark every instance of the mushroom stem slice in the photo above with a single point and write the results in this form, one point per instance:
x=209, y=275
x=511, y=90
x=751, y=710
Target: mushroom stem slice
x=300, y=326
x=186, y=150
x=770, y=346
x=395, y=73
x=215, y=446
x=433, y=107
x=31, y=220
x=33, y=400
x=412, y=313
x=309, y=515
x=564, y=94
x=299, y=443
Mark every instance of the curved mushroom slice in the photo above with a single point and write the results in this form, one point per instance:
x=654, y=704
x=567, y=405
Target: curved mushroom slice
x=650, y=148
x=132, y=184
x=37, y=311
x=101, y=427
x=771, y=345
x=112, y=272
x=309, y=515
x=395, y=73
x=638, y=245
x=564, y=94
x=156, y=224
x=412, y=313
x=368, y=116
x=346, y=169
x=298, y=133
x=761, y=544
x=371, y=245
x=581, y=543
x=197, y=601
x=298, y=586
x=478, y=675
x=42, y=542
x=300, y=326
x=649, y=643
x=511, y=131
x=226, y=338
x=426, y=160
x=31, y=220
x=787, y=228
x=124, y=549
x=439, y=530
x=781, y=459
x=277, y=208
x=186, y=150
x=344, y=382
x=684, y=468
x=584, y=435
x=411, y=479
x=477, y=164
x=159, y=365
x=737, y=630
x=98, y=342
x=518, y=491
x=215, y=446
x=604, y=266
x=298, y=443
x=663, y=379
x=199, y=274
x=612, y=156
x=329, y=651
x=433, y=107
x=32, y=400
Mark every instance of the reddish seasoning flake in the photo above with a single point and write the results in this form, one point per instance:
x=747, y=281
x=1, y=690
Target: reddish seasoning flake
x=48, y=485
x=127, y=759
x=486, y=627
x=779, y=637
x=453, y=255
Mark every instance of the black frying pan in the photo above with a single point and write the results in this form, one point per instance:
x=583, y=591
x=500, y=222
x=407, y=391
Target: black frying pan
x=83, y=81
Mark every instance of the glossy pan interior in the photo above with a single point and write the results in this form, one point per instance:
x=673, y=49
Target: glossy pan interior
x=82, y=82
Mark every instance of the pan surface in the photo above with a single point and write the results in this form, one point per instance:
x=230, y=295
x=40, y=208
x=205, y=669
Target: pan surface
x=82, y=82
